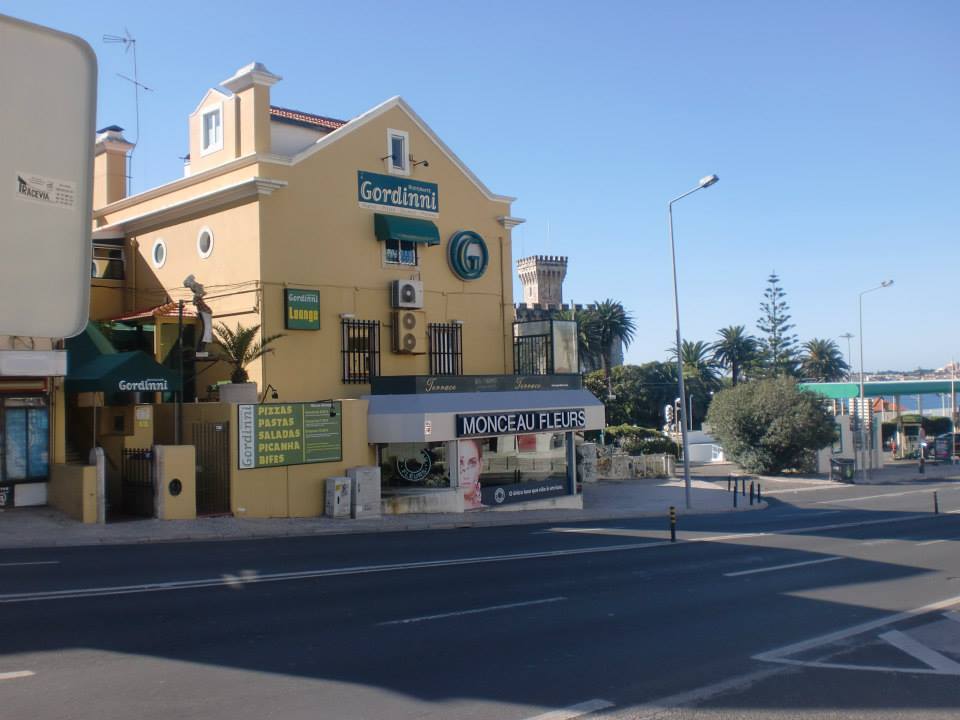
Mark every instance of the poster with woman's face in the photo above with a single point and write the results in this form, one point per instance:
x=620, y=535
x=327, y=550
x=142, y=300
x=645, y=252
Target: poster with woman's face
x=471, y=462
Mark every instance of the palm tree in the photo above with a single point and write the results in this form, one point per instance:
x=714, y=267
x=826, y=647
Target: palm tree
x=822, y=360
x=239, y=348
x=698, y=363
x=736, y=350
x=609, y=323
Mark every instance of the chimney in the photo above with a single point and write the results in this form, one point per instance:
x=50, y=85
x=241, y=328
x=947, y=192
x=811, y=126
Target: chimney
x=251, y=86
x=110, y=166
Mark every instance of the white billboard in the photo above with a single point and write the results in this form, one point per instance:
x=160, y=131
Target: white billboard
x=47, y=118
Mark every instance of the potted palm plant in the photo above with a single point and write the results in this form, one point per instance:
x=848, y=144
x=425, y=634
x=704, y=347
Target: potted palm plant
x=239, y=348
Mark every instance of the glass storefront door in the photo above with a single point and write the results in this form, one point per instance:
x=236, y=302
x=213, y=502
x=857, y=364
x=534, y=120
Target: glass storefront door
x=24, y=439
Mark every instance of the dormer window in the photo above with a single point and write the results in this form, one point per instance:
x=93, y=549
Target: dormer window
x=211, y=123
x=398, y=152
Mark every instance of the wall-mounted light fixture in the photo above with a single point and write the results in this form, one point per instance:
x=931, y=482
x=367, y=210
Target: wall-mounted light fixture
x=414, y=163
x=273, y=395
x=347, y=316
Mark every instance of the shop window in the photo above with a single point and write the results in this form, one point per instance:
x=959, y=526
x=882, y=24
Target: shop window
x=107, y=263
x=446, y=348
x=415, y=465
x=212, y=131
x=25, y=427
x=398, y=152
x=361, y=349
x=400, y=252
x=508, y=469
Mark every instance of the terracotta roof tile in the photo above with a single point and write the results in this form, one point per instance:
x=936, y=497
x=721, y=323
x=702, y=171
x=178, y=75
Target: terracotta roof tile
x=306, y=119
x=165, y=310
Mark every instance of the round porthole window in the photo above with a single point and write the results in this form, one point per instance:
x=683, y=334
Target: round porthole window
x=205, y=243
x=159, y=253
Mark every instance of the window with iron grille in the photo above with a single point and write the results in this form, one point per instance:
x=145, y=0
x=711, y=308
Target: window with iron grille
x=446, y=348
x=533, y=355
x=360, y=345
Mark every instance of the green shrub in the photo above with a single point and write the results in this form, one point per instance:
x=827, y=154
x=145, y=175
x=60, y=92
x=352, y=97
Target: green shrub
x=768, y=426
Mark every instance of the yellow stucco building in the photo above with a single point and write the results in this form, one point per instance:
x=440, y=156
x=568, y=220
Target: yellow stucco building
x=382, y=265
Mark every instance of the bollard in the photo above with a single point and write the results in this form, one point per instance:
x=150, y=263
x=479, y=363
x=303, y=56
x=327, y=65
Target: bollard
x=751, y=492
x=729, y=478
x=936, y=504
x=744, y=487
x=673, y=524
x=920, y=468
x=758, y=492
x=735, y=493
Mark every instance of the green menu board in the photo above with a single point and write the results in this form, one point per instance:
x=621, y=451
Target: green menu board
x=277, y=434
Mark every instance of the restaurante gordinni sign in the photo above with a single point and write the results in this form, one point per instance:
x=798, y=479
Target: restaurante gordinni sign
x=277, y=434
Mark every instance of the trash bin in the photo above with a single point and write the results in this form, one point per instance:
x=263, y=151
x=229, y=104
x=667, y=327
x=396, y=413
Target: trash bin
x=842, y=469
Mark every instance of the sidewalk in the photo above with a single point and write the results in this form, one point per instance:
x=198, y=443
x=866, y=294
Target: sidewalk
x=46, y=527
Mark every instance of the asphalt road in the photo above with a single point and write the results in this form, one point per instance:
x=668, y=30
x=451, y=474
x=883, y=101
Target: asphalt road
x=833, y=602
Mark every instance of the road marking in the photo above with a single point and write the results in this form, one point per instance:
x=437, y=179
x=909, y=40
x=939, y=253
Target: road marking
x=656, y=709
x=474, y=611
x=928, y=656
x=800, y=514
x=38, y=562
x=873, y=497
x=575, y=711
x=941, y=540
x=783, y=567
x=782, y=654
x=878, y=541
x=17, y=674
x=235, y=582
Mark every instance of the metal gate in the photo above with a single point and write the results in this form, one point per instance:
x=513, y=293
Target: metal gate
x=212, y=441
x=136, y=488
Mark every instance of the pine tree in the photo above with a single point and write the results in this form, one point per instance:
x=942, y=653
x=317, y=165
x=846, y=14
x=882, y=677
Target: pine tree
x=779, y=345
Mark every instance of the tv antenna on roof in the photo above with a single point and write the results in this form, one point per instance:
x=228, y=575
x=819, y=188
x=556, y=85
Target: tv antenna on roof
x=130, y=43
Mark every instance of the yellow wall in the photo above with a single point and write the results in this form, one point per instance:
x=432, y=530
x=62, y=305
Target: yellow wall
x=315, y=235
x=177, y=462
x=297, y=490
x=73, y=490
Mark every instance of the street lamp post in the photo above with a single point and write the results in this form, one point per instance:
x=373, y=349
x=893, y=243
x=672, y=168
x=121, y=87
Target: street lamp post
x=861, y=411
x=704, y=183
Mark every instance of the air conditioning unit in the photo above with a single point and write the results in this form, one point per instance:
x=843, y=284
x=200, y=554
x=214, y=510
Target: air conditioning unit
x=410, y=332
x=406, y=294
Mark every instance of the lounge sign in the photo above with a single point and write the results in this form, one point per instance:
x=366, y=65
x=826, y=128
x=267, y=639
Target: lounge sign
x=515, y=423
x=405, y=196
x=301, y=309
x=278, y=434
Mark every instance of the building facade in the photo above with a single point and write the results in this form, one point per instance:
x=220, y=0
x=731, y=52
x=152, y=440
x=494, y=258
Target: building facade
x=381, y=266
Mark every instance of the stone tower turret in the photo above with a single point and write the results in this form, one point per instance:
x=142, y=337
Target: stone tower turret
x=542, y=278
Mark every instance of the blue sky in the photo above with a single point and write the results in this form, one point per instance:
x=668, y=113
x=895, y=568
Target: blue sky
x=833, y=127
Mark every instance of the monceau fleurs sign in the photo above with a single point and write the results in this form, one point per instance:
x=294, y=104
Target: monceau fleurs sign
x=514, y=423
x=402, y=195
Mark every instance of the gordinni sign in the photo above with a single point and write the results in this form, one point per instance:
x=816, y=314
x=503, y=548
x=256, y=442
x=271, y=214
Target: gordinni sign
x=279, y=434
x=417, y=197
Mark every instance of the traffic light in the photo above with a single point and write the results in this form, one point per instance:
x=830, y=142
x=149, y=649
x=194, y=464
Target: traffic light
x=668, y=414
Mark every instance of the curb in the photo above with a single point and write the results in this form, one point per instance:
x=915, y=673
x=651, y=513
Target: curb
x=287, y=533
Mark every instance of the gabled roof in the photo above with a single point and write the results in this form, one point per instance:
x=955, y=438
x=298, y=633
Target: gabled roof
x=398, y=102
x=297, y=117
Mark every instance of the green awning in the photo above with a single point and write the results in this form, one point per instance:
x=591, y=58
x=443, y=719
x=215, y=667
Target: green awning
x=94, y=365
x=395, y=227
